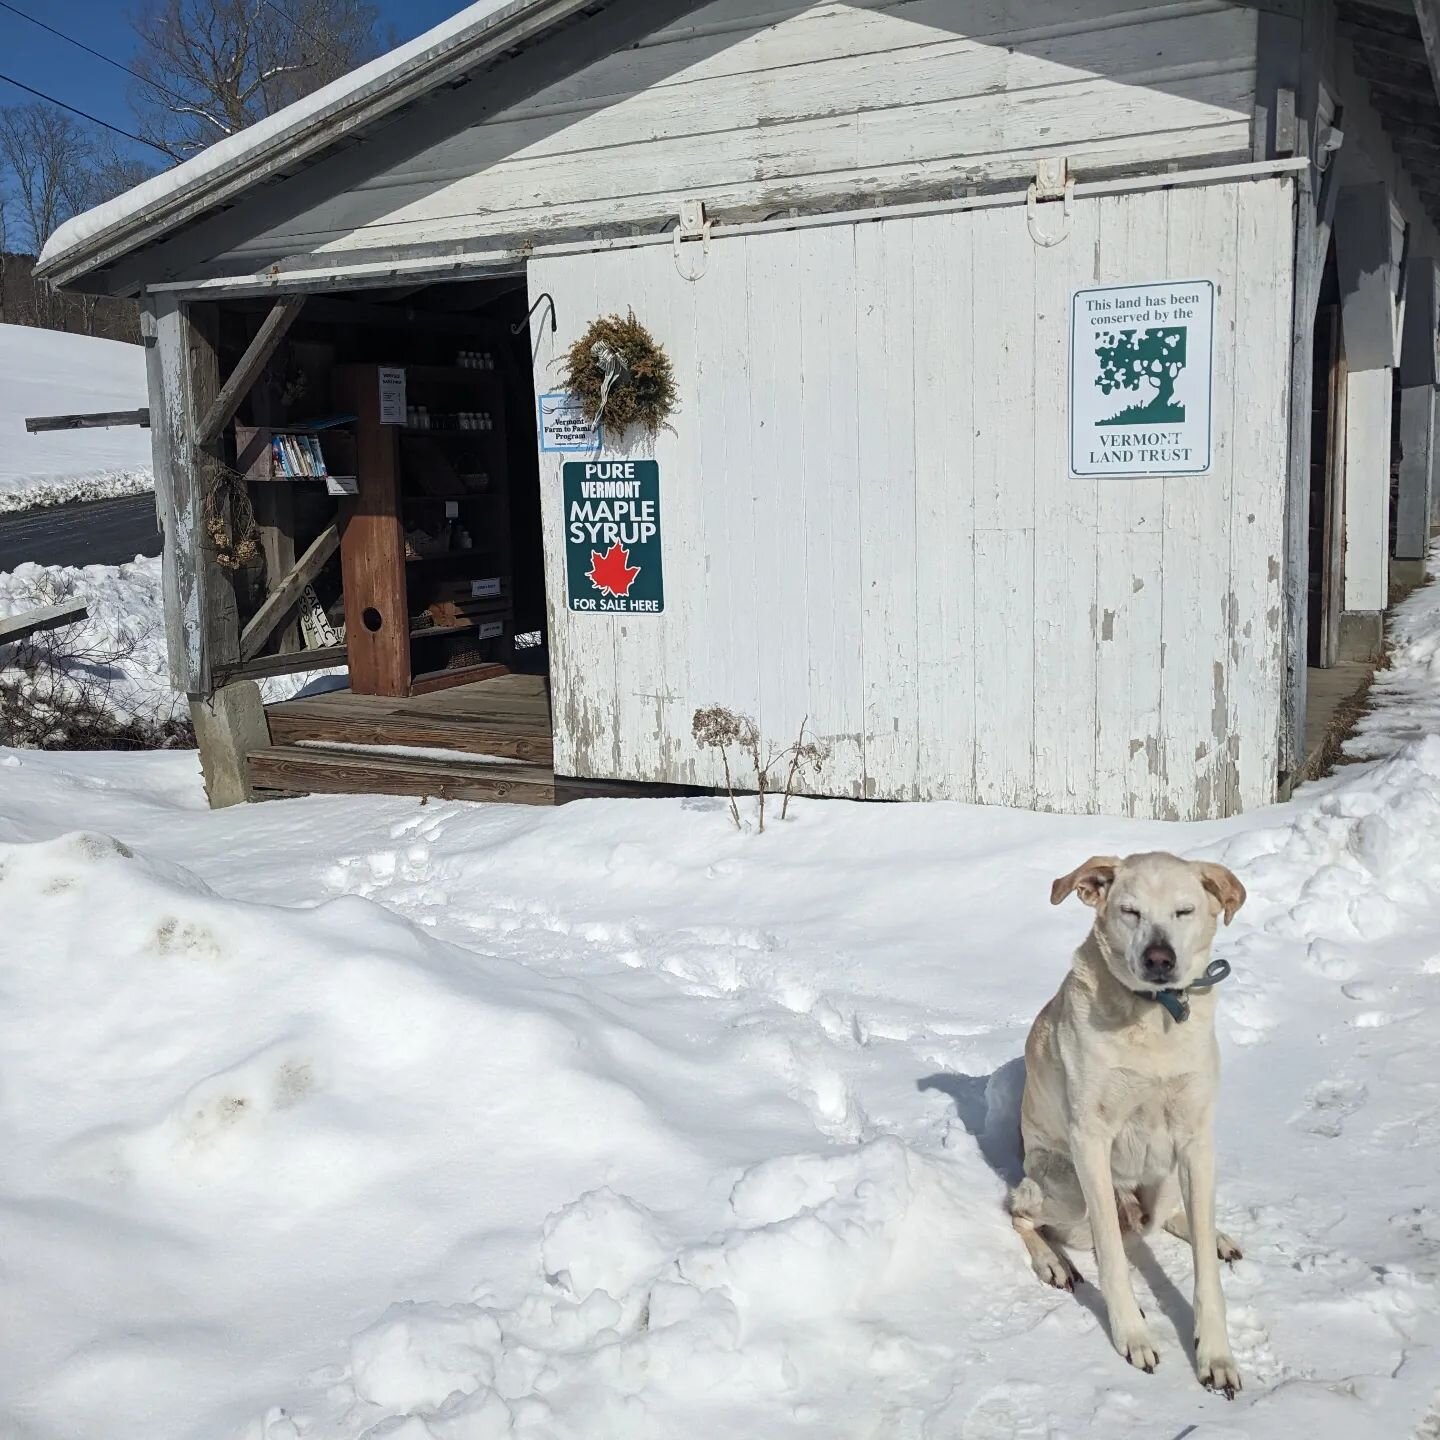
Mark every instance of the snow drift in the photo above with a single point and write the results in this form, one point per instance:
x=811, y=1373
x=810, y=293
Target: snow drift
x=360, y=1118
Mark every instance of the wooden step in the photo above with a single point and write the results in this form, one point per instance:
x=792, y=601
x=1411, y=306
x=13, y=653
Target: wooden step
x=312, y=770
x=512, y=735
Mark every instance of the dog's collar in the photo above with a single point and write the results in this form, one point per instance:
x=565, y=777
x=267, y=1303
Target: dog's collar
x=1174, y=1000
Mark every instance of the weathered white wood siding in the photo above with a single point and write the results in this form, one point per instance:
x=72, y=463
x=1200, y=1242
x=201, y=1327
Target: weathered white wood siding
x=759, y=107
x=1368, y=415
x=868, y=517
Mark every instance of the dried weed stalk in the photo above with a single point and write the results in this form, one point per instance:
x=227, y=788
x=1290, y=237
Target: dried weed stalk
x=716, y=728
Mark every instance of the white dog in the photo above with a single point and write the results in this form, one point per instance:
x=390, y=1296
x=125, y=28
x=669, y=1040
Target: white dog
x=1121, y=1071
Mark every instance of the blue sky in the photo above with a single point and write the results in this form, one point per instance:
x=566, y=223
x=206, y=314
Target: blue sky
x=49, y=64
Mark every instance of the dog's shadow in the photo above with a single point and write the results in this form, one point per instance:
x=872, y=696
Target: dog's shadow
x=988, y=1106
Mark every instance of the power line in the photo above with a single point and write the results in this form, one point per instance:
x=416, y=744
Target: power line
x=81, y=45
x=84, y=115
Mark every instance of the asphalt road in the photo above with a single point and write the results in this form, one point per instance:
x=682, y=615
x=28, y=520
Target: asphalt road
x=97, y=532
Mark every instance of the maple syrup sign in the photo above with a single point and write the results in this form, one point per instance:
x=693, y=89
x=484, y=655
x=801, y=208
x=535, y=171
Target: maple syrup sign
x=612, y=536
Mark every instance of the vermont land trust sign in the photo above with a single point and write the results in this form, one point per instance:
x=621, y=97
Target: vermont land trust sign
x=1141, y=358
x=612, y=536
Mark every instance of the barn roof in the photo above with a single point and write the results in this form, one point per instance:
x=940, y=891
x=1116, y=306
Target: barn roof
x=296, y=136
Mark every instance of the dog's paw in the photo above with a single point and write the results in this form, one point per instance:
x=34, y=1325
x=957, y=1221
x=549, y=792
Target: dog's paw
x=1135, y=1344
x=1218, y=1371
x=1055, y=1269
x=1227, y=1249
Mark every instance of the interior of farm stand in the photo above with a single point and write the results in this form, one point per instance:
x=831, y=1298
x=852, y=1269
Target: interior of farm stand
x=387, y=458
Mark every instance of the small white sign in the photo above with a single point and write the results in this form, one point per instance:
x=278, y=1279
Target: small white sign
x=1141, y=360
x=392, y=395
x=452, y=509
x=491, y=629
x=342, y=485
x=563, y=425
x=485, y=589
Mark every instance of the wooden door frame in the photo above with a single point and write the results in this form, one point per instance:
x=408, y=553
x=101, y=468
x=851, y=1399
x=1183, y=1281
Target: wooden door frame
x=1332, y=579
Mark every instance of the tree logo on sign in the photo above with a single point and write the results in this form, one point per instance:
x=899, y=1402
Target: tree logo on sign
x=1135, y=359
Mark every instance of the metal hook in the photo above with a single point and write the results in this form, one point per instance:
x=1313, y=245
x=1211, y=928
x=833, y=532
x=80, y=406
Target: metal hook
x=525, y=323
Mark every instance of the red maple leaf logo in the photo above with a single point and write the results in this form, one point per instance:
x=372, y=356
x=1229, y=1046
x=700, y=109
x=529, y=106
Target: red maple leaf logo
x=612, y=571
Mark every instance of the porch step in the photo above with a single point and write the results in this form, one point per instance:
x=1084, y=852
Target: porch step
x=315, y=770
x=516, y=728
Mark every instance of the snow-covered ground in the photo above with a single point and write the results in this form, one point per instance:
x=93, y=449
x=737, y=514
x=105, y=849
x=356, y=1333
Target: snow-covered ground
x=44, y=372
x=341, y=1118
x=116, y=657
x=118, y=651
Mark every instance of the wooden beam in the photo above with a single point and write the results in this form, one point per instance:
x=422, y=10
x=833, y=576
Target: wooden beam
x=1391, y=105
x=282, y=316
x=311, y=770
x=47, y=617
x=1427, y=16
x=97, y=420
x=262, y=667
x=1407, y=77
x=1404, y=47
x=1389, y=18
x=286, y=595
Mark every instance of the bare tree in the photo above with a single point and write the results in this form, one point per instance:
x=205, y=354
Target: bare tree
x=212, y=67
x=4, y=253
x=48, y=155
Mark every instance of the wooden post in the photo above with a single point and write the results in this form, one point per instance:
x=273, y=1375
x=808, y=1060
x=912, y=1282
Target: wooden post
x=1417, y=467
x=1419, y=373
x=176, y=503
x=1368, y=406
x=201, y=623
x=1367, y=256
x=372, y=546
x=219, y=610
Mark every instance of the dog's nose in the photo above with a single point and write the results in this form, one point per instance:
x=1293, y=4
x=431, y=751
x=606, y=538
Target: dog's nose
x=1159, y=961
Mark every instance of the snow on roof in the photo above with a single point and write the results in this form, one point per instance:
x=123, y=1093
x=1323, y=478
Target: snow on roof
x=226, y=166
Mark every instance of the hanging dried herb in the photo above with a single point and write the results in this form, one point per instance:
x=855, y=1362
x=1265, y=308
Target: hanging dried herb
x=230, y=527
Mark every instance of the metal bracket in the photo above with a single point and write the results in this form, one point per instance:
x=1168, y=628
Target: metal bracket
x=694, y=224
x=1052, y=182
x=1051, y=176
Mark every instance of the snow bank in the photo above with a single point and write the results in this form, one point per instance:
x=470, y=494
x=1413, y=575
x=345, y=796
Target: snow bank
x=119, y=650
x=117, y=656
x=372, y=1120
x=44, y=372
x=1407, y=692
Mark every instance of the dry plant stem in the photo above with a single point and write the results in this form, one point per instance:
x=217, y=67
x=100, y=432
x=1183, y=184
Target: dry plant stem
x=761, y=773
x=730, y=789
x=795, y=752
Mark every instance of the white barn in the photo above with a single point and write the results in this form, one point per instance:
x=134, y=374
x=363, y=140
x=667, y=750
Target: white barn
x=888, y=246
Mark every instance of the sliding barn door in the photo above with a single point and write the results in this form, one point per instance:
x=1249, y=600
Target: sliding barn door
x=869, y=524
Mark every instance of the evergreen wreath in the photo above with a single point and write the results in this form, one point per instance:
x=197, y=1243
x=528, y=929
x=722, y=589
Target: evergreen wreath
x=638, y=390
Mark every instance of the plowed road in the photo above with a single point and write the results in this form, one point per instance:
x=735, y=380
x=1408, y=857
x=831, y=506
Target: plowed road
x=98, y=532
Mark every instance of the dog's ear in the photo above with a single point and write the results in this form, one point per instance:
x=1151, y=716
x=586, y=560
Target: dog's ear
x=1090, y=881
x=1222, y=884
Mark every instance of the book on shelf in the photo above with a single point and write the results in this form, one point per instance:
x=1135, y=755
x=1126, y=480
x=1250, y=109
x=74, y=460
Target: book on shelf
x=298, y=457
